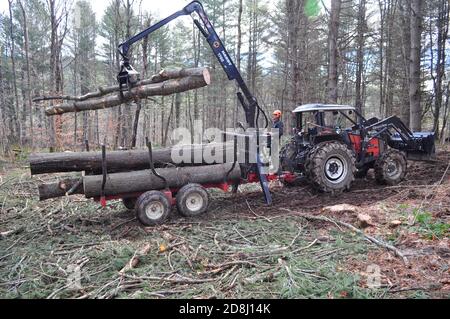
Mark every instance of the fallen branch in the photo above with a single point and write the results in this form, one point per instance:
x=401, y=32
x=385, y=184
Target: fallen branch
x=134, y=261
x=372, y=239
x=183, y=280
x=8, y=233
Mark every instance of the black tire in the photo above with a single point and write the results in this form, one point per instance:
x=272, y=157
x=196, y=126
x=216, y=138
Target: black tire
x=391, y=167
x=362, y=172
x=129, y=202
x=192, y=200
x=235, y=188
x=325, y=161
x=287, y=156
x=152, y=208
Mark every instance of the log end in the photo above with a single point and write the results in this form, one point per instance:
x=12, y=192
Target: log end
x=207, y=76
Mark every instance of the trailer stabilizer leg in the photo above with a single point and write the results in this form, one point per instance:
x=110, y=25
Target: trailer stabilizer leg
x=263, y=180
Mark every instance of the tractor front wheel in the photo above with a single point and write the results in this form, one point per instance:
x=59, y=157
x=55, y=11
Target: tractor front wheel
x=330, y=167
x=390, y=168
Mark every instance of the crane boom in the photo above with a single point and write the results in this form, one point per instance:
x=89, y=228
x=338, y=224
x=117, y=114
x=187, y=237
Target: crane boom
x=128, y=76
x=247, y=99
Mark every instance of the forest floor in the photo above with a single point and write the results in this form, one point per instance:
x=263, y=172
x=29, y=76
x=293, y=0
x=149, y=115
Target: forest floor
x=73, y=248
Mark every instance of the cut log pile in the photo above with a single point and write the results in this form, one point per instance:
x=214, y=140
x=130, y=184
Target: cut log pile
x=165, y=83
x=128, y=172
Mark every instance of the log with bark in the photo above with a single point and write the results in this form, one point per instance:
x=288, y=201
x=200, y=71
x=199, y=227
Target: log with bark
x=165, y=83
x=59, y=189
x=119, y=161
x=141, y=181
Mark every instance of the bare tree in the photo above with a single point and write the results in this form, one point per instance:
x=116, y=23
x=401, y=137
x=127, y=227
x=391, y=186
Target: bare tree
x=15, y=114
x=414, y=65
x=27, y=61
x=333, y=34
x=360, y=41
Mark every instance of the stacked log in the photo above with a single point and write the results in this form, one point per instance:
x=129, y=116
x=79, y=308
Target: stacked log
x=119, y=161
x=128, y=171
x=176, y=177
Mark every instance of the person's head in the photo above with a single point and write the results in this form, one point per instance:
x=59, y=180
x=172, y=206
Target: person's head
x=276, y=115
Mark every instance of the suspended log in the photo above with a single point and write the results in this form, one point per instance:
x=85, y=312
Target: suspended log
x=60, y=188
x=141, y=181
x=167, y=87
x=163, y=75
x=119, y=161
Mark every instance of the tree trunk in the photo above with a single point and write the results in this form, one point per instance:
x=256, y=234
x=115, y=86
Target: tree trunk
x=17, y=127
x=360, y=55
x=27, y=60
x=414, y=66
x=333, y=35
x=442, y=30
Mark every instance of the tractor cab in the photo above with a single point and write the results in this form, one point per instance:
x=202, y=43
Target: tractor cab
x=320, y=122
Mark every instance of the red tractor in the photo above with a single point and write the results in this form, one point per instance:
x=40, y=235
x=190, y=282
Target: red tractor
x=333, y=144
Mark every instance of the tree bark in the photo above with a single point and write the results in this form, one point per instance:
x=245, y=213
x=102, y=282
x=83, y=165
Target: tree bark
x=141, y=181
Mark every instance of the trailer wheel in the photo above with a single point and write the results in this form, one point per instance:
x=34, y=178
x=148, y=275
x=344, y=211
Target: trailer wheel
x=192, y=200
x=330, y=167
x=390, y=168
x=152, y=208
x=129, y=202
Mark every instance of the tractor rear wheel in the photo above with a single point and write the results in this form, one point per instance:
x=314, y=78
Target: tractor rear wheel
x=330, y=167
x=390, y=168
x=287, y=156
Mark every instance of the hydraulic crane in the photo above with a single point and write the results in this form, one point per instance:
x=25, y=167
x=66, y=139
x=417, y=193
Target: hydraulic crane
x=128, y=76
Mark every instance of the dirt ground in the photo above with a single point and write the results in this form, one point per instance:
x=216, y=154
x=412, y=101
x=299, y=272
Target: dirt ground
x=73, y=248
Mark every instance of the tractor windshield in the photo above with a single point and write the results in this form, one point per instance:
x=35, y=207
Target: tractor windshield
x=339, y=120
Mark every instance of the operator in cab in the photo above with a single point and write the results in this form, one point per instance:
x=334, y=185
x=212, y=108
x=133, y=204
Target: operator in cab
x=277, y=123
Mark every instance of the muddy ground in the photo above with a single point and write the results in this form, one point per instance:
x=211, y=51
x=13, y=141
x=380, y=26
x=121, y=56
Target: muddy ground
x=73, y=248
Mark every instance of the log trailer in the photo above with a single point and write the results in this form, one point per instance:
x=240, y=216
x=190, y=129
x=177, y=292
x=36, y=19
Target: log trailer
x=331, y=145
